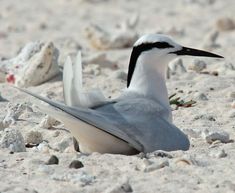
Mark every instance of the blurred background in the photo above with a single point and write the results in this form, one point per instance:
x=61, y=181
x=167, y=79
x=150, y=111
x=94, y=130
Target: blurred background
x=68, y=23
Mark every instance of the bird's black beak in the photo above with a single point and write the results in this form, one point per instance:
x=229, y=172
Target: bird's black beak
x=194, y=52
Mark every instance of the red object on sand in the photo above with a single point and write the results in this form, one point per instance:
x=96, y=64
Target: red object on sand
x=10, y=78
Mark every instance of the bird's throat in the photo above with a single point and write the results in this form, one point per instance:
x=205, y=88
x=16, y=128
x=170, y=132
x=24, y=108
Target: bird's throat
x=149, y=79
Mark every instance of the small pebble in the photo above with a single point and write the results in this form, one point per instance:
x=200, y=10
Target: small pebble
x=53, y=160
x=76, y=164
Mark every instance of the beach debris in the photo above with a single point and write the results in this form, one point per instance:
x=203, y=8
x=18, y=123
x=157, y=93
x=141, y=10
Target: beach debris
x=233, y=104
x=13, y=65
x=183, y=161
x=232, y=114
x=63, y=144
x=36, y=63
x=176, y=67
x=218, y=153
x=41, y=67
x=210, y=39
x=76, y=145
x=187, y=159
x=225, y=24
x=119, y=74
x=120, y=187
x=2, y=99
x=14, y=111
x=231, y=94
x=2, y=75
x=10, y=78
x=48, y=122
x=226, y=69
x=162, y=154
x=80, y=178
x=92, y=69
x=43, y=147
x=207, y=117
x=178, y=102
x=33, y=137
x=104, y=40
x=100, y=59
x=211, y=136
x=149, y=166
x=130, y=23
x=175, y=31
x=56, y=134
x=200, y=96
x=197, y=65
x=76, y=164
x=200, y=2
x=12, y=139
x=156, y=165
x=52, y=160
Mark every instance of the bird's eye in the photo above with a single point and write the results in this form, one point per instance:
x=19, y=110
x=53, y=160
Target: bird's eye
x=162, y=45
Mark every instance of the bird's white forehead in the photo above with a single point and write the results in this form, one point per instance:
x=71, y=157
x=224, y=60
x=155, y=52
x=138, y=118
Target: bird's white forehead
x=152, y=38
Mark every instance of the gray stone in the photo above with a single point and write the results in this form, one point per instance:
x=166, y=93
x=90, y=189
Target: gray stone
x=53, y=160
x=12, y=139
x=211, y=136
x=76, y=164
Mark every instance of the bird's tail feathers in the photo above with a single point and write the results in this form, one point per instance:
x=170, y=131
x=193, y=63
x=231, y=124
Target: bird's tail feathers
x=73, y=90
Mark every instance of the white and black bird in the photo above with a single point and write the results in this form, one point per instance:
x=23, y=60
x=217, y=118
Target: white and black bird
x=140, y=120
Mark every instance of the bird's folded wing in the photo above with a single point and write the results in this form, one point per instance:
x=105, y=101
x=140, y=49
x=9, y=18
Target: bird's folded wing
x=142, y=119
x=73, y=90
x=89, y=116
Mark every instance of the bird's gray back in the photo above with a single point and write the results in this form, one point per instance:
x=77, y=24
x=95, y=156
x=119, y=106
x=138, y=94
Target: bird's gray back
x=142, y=119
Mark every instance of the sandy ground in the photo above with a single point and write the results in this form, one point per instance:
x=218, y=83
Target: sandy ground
x=206, y=167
